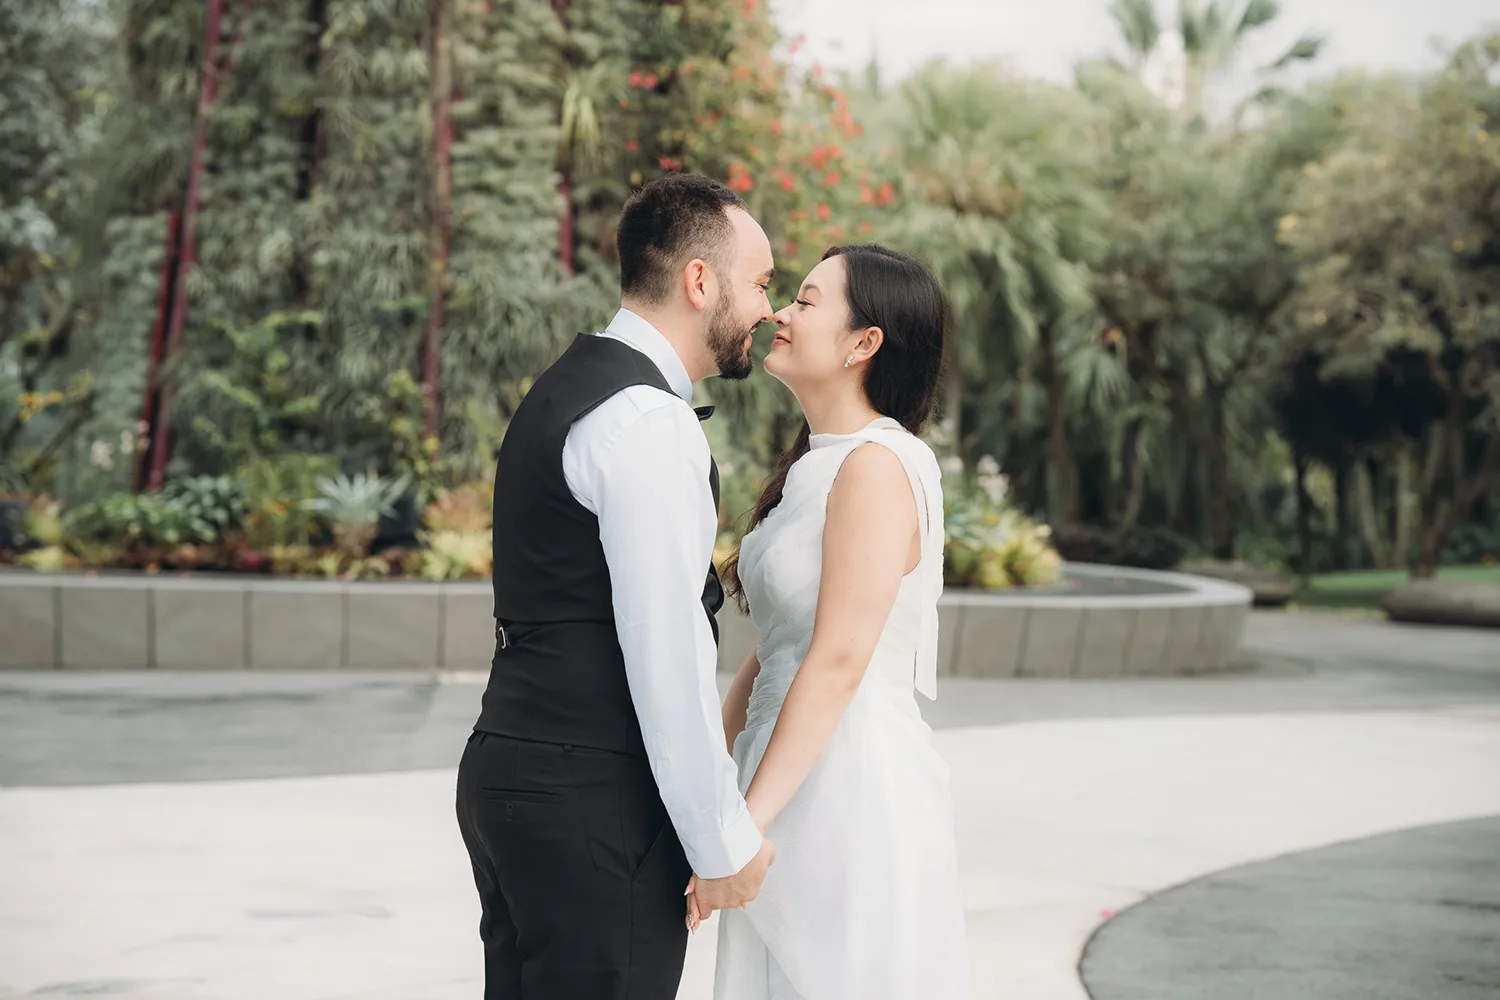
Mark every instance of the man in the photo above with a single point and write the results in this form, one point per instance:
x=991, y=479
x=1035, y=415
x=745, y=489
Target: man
x=596, y=781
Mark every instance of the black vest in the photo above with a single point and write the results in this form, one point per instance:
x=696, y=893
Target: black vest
x=558, y=675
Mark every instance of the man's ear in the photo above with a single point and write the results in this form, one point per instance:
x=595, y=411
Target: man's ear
x=696, y=281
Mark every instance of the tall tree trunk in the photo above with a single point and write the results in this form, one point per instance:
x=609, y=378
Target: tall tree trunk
x=1216, y=458
x=1404, y=507
x=567, y=223
x=158, y=339
x=310, y=146
x=208, y=90
x=1135, y=475
x=1304, y=512
x=442, y=170
x=1344, y=525
x=1466, y=490
x=1369, y=521
x=1063, y=498
x=1435, y=483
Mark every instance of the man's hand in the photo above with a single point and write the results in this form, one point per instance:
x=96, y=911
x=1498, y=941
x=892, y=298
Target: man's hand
x=705, y=895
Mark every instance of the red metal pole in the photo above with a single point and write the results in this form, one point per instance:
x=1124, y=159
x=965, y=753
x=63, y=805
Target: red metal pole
x=442, y=96
x=208, y=80
x=158, y=336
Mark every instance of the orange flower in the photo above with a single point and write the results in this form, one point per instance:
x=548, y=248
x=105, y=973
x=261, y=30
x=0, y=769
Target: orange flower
x=823, y=212
x=832, y=179
x=633, y=145
x=650, y=82
x=886, y=194
x=789, y=248
x=865, y=227
x=668, y=163
x=739, y=178
x=787, y=183
x=776, y=127
x=635, y=78
x=866, y=196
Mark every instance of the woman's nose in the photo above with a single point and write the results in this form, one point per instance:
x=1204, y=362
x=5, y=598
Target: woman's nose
x=783, y=317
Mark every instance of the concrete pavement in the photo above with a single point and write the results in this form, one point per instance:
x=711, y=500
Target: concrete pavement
x=219, y=837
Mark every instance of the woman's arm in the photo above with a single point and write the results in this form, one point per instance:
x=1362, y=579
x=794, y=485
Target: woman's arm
x=737, y=701
x=868, y=544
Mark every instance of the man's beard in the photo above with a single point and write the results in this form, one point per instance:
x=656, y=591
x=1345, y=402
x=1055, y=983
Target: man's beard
x=726, y=339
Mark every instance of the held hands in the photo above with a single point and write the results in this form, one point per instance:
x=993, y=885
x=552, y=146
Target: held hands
x=705, y=895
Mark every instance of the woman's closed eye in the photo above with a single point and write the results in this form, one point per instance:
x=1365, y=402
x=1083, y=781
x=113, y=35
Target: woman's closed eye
x=803, y=303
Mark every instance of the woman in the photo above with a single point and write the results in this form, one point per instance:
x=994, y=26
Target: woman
x=842, y=571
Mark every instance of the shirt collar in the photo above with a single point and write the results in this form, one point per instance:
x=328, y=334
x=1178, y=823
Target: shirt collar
x=631, y=329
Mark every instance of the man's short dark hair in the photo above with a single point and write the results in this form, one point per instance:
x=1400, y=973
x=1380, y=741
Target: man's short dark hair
x=667, y=223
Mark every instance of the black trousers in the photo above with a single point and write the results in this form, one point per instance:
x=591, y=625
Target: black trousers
x=580, y=873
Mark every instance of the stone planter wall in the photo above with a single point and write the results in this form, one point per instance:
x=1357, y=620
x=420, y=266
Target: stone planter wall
x=124, y=621
x=132, y=621
x=1020, y=634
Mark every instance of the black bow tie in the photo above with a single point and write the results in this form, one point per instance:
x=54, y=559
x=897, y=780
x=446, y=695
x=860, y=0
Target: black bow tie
x=704, y=412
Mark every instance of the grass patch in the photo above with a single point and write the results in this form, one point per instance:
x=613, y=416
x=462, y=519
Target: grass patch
x=1362, y=588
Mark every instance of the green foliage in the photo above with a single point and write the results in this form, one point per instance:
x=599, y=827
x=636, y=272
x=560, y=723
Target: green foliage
x=357, y=500
x=990, y=544
x=220, y=502
x=1281, y=337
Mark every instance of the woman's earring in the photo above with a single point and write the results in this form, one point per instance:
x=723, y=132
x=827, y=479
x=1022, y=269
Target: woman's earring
x=849, y=361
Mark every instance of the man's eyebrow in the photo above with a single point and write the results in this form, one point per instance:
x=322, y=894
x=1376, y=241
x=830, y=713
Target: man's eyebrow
x=767, y=275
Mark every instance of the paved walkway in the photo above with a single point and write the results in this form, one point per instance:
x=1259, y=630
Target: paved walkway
x=1403, y=915
x=147, y=856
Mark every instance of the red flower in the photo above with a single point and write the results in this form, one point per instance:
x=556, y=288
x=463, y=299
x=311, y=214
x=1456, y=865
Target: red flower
x=787, y=183
x=832, y=179
x=776, y=127
x=739, y=178
x=865, y=227
x=650, y=82
x=823, y=212
x=635, y=78
x=789, y=248
x=886, y=194
x=748, y=8
x=633, y=145
x=668, y=163
x=866, y=196
x=796, y=44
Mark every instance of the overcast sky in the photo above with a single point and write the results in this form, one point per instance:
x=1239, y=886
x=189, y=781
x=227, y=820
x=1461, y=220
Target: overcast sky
x=1045, y=37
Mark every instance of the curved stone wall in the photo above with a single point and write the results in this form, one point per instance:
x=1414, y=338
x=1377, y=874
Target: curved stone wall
x=125, y=621
x=1158, y=623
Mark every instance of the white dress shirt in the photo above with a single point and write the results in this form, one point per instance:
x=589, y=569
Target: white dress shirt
x=640, y=462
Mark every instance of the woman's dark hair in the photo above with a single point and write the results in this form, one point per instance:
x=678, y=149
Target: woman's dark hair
x=896, y=292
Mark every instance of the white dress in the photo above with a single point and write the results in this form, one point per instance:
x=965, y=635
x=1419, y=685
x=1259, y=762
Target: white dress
x=863, y=901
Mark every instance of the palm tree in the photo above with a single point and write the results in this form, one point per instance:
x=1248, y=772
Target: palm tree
x=1003, y=209
x=1212, y=34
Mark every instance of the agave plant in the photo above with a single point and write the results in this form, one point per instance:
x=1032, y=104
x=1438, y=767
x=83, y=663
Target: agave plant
x=354, y=505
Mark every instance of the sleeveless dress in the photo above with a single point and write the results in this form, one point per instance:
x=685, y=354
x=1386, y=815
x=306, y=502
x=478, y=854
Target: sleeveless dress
x=863, y=901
